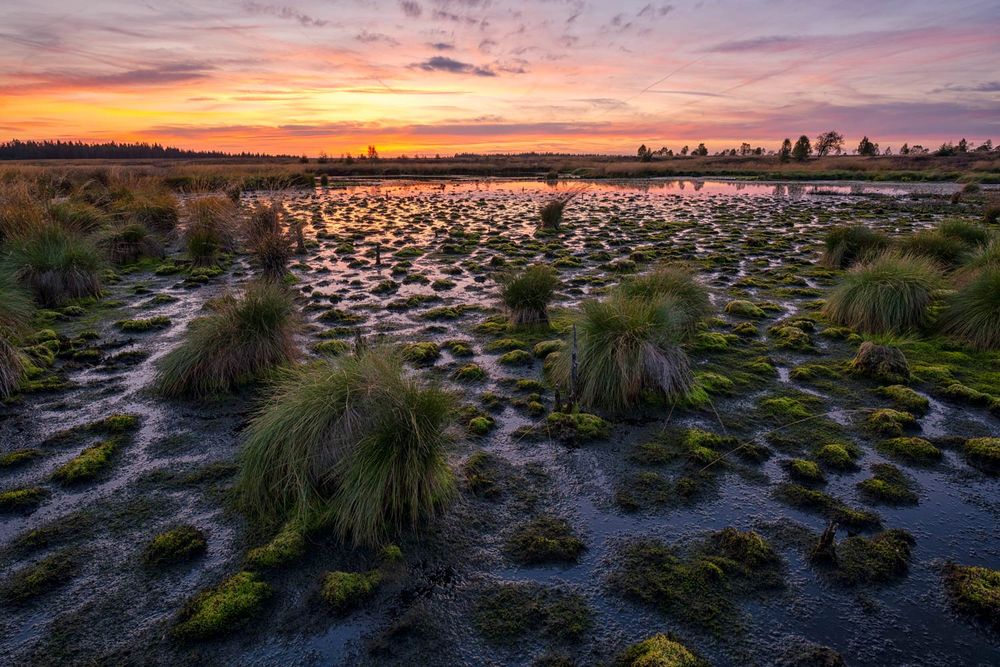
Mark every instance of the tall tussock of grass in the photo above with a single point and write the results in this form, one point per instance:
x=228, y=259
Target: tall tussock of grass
x=844, y=246
x=354, y=443
x=267, y=241
x=627, y=346
x=947, y=250
x=154, y=208
x=889, y=294
x=551, y=212
x=78, y=216
x=526, y=294
x=15, y=313
x=972, y=314
x=128, y=242
x=676, y=283
x=969, y=233
x=55, y=263
x=241, y=338
x=20, y=209
x=212, y=228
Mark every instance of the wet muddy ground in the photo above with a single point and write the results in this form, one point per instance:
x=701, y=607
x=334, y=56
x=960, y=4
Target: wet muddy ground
x=440, y=243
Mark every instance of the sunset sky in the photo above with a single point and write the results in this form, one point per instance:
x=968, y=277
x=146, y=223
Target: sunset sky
x=441, y=76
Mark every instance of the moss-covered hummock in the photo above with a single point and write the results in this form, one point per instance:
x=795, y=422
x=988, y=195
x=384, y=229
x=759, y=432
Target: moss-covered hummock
x=19, y=457
x=88, y=463
x=288, y=545
x=889, y=422
x=576, y=427
x=545, y=539
x=834, y=508
x=421, y=353
x=803, y=470
x=481, y=471
x=222, y=609
x=910, y=450
x=659, y=651
x=838, y=455
x=511, y=611
x=143, y=325
x=470, y=373
x=175, y=545
x=974, y=590
x=889, y=485
x=38, y=578
x=876, y=559
x=701, y=587
x=747, y=309
x=905, y=398
x=344, y=591
x=23, y=498
x=983, y=451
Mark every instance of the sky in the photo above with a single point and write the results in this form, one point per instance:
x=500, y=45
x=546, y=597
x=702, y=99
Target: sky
x=422, y=77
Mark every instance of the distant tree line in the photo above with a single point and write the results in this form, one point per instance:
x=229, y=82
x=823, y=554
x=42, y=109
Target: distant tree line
x=827, y=143
x=79, y=150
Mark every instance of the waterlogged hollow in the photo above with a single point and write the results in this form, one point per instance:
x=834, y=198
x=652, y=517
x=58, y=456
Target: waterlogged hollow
x=440, y=244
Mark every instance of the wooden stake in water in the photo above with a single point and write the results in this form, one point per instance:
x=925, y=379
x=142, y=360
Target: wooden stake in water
x=378, y=254
x=300, y=239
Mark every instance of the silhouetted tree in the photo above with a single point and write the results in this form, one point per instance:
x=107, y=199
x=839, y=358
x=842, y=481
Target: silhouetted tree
x=867, y=147
x=785, y=152
x=963, y=146
x=802, y=149
x=684, y=151
x=904, y=149
x=701, y=150
x=644, y=154
x=829, y=142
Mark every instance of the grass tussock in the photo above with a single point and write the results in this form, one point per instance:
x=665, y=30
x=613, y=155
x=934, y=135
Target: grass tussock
x=243, y=337
x=211, y=229
x=124, y=243
x=889, y=294
x=845, y=246
x=526, y=294
x=676, y=284
x=626, y=347
x=267, y=241
x=972, y=314
x=56, y=264
x=354, y=443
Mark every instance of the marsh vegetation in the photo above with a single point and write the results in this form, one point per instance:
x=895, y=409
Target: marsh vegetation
x=688, y=423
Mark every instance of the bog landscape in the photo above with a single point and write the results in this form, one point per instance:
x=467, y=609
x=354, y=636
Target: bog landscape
x=369, y=383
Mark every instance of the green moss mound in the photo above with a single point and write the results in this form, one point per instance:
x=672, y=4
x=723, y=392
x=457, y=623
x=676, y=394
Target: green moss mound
x=344, y=591
x=659, y=651
x=544, y=540
x=174, y=546
x=974, y=590
x=222, y=609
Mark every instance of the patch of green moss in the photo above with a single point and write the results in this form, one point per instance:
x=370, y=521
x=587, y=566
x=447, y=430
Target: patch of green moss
x=747, y=309
x=222, y=609
x=87, y=464
x=506, y=345
x=974, y=590
x=288, y=545
x=983, y=451
x=783, y=409
x=458, y=348
x=911, y=450
x=512, y=611
x=576, y=427
x=34, y=580
x=141, y=325
x=481, y=425
x=175, y=545
x=344, y=591
x=888, y=485
x=333, y=348
x=880, y=558
x=659, y=651
x=544, y=540
x=833, y=508
x=19, y=457
x=700, y=588
x=803, y=470
x=905, y=398
x=516, y=358
x=888, y=422
x=543, y=348
x=711, y=341
x=838, y=455
x=421, y=353
x=470, y=373
x=23, y=498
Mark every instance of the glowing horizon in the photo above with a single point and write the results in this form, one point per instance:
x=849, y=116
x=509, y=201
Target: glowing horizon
x=484, y=76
